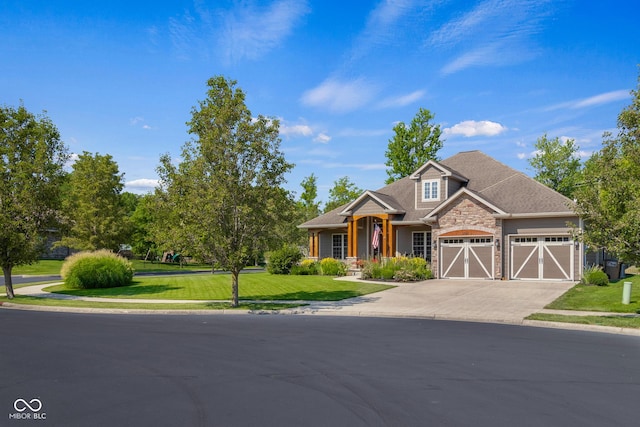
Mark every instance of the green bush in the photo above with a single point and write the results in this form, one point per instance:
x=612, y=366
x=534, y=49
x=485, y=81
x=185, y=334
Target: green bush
x=594, y=275
x=281, y=261
x=400, y=269
x=99, y=269
x=332, y=267
x=307, y=267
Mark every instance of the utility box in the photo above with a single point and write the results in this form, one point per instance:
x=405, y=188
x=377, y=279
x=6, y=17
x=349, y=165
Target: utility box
x=612, y=268
x=626, y=293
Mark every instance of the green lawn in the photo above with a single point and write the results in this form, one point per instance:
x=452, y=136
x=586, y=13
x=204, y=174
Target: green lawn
x=253, y=286
x=598, y=298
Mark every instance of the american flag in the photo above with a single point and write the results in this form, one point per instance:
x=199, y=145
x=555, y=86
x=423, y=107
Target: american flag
x=375, y=241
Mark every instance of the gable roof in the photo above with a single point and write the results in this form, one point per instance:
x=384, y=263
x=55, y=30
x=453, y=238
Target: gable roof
x=507, y=191
x=388, y=202
x=446, y=171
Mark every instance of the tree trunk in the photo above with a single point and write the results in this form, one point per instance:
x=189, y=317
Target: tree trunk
x=8, y=284
x=234, y=287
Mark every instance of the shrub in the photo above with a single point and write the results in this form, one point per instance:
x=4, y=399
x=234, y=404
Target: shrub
x=332, y=267
x=400, y=269
x=99, y=269
x=307, y=267
x=281, y=261
x=594, y=275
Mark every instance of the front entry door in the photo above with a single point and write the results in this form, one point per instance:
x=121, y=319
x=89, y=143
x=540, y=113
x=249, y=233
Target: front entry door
x=467, y=258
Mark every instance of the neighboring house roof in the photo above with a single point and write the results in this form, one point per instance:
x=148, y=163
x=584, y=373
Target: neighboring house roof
x=504, y=189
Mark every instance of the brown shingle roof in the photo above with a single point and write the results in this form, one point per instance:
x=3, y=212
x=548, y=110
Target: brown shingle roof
x=506, y=188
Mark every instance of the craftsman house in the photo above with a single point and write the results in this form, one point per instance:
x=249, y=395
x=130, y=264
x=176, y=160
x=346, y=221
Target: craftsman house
x=469, y=215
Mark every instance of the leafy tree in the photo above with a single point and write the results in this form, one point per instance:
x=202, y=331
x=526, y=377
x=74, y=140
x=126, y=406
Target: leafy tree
x=608, y=198
x=557, y=164
x=142, y=220
x=97, y=215
x=412, y=146
x=32, y=158
x=343, y=191
x=225, y=195
x=308, y=204
x=129, y=202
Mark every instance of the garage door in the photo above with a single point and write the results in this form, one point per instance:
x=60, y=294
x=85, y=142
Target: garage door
x=468, y=258
x=542, y=258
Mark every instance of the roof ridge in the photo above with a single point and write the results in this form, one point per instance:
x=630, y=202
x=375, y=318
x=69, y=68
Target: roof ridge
x=501, y=181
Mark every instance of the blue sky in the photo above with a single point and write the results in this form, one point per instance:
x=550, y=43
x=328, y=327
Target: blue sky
x=121, y=77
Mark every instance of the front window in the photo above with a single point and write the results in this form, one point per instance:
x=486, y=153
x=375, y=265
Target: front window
x=339, y=247
x=431, y=190
x=421, y=247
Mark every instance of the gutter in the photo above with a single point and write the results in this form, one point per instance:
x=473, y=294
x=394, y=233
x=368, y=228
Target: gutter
x=536, y=215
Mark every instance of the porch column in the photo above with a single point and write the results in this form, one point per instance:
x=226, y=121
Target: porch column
x=350, y=238
x=353, y=243
x=390, y=239
x=312, y=244
x=386, y=237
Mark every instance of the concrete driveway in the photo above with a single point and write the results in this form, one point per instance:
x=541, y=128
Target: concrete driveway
x=475, y=300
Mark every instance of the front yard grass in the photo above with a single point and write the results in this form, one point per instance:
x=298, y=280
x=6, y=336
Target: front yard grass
x=253, y=286
x=258, y=291
x=598, y=298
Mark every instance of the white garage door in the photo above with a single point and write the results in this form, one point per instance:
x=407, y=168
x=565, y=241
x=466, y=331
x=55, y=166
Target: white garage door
x=542, y=258
x=468, y=258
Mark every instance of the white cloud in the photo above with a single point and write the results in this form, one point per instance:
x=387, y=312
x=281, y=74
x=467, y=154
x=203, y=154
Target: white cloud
x=134, y=121
x=603, y=98
x=382, y=25
x=322, y=138
x=402, y=100
x=592, y=101
x=495, y=32
x=143, y=184
x=295, y=130
x=340, y=96
x=250, y=32
x=243, y=31
x=471, y=128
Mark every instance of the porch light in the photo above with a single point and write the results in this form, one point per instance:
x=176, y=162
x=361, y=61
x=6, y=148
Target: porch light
x=498, y=244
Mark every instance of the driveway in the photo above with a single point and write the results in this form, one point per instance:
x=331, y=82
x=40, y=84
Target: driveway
x=475, y=300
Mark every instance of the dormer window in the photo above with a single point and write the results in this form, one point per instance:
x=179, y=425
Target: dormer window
x=431, y=190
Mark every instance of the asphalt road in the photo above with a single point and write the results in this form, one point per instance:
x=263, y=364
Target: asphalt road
x=277, y=370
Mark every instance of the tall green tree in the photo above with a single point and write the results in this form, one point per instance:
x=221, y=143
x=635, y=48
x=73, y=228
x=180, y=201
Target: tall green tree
x=142, y=220
x=343, y=191
x=32, y=158
x=226, y=192
x=608, y=198
x=413, y=145
x=556, y=164
x=97, y=214
x=308, y=202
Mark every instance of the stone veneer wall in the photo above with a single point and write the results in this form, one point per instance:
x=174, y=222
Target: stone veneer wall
x=467, y=214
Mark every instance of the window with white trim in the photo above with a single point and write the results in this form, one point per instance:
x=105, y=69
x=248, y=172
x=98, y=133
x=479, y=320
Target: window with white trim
x=430, y=190
x=421, y=247
x=339, y=246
